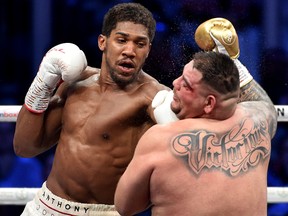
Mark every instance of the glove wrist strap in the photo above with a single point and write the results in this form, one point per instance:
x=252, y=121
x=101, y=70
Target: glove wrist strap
x=38, y=96
x=244, y=75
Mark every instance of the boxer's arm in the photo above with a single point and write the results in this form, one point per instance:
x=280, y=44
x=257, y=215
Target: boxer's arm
x=219, y=35
x=133, y=190
x=38, y=125
x=253, y=92
x=36, y=133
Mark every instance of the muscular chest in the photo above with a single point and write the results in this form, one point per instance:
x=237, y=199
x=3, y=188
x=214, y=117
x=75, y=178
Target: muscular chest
x=92, y=111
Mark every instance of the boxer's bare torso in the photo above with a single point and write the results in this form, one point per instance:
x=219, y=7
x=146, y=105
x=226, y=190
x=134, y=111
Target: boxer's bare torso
x=97, y=138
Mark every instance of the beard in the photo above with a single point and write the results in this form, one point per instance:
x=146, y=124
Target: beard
x=118, y=79
x=175, y=109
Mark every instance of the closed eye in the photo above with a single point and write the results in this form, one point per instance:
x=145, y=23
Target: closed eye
x=141, y=44
x=121, y=40
x=186, y=84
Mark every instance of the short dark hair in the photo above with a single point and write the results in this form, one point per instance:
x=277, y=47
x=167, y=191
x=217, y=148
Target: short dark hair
x=218, y=71
x=133, y=12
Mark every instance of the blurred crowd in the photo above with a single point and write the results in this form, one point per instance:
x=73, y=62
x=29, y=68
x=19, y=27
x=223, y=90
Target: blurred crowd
x=29, y=28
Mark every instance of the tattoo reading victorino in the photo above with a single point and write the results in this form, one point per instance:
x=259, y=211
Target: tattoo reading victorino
x=233, y=152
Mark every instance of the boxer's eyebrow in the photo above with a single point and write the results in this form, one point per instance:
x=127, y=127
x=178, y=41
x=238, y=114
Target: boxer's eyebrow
x=187, y=82
x=140, y=37
x=122, y=33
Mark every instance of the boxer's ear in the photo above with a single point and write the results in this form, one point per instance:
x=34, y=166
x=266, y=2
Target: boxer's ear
x=150, y=45
x=210, y=103
x=102, y=42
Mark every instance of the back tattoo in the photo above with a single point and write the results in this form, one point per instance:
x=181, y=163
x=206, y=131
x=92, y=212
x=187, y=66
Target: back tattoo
x=233, y=152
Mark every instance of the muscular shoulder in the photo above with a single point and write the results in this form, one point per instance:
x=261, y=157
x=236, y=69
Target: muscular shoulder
x=151, y=85
x=258, y=108
x=260, y=111
x=154, y=139
x=88, y=72
x=61, y=93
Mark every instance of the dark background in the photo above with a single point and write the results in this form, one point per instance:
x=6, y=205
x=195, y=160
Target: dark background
x=28, y=28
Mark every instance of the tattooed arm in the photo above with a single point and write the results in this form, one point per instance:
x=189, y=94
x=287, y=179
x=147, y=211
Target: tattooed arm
x=253, y=92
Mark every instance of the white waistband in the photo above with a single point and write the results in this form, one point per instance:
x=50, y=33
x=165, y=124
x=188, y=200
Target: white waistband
x=50, y=201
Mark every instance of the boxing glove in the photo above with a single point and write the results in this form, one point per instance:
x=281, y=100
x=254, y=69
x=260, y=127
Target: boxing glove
x=64, y=61
x=219, y=35
x=161, y=105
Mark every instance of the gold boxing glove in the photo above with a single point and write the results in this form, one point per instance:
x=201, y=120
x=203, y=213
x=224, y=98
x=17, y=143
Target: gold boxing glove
x=218, y=34
x=223, y=31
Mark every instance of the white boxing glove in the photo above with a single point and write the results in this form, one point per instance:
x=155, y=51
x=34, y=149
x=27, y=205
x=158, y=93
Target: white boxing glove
x=161, y=105
x=64, y=61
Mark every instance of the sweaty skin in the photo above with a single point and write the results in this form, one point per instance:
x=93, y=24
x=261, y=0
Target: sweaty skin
x=95, y=122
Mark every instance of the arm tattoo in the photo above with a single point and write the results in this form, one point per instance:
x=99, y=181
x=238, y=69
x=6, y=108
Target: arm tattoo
x=253, y=92
x=232, y=152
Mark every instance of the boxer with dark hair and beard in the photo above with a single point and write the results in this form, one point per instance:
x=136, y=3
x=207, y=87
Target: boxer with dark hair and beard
x=214, y=160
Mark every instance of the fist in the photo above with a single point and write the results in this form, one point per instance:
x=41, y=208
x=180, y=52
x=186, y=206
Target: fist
x=65, y=61
x=162, y=109
x=225, y=34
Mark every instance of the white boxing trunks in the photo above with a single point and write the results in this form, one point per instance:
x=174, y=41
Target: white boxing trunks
x=48, y=204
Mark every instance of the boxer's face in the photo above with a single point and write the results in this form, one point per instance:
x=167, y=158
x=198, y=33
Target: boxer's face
x=125, y=51
x=189, y=93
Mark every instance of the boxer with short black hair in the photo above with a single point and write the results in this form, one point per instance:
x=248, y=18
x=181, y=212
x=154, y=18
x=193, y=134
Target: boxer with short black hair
x=214, y=160
x=94, y=116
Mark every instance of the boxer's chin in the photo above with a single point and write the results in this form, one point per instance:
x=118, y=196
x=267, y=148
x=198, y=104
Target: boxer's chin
x=174, y=107
x=123, y=79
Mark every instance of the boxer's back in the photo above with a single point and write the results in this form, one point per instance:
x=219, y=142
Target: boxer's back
x=209, y=167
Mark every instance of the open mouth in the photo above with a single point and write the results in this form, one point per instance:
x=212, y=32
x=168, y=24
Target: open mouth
x=126, y=66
